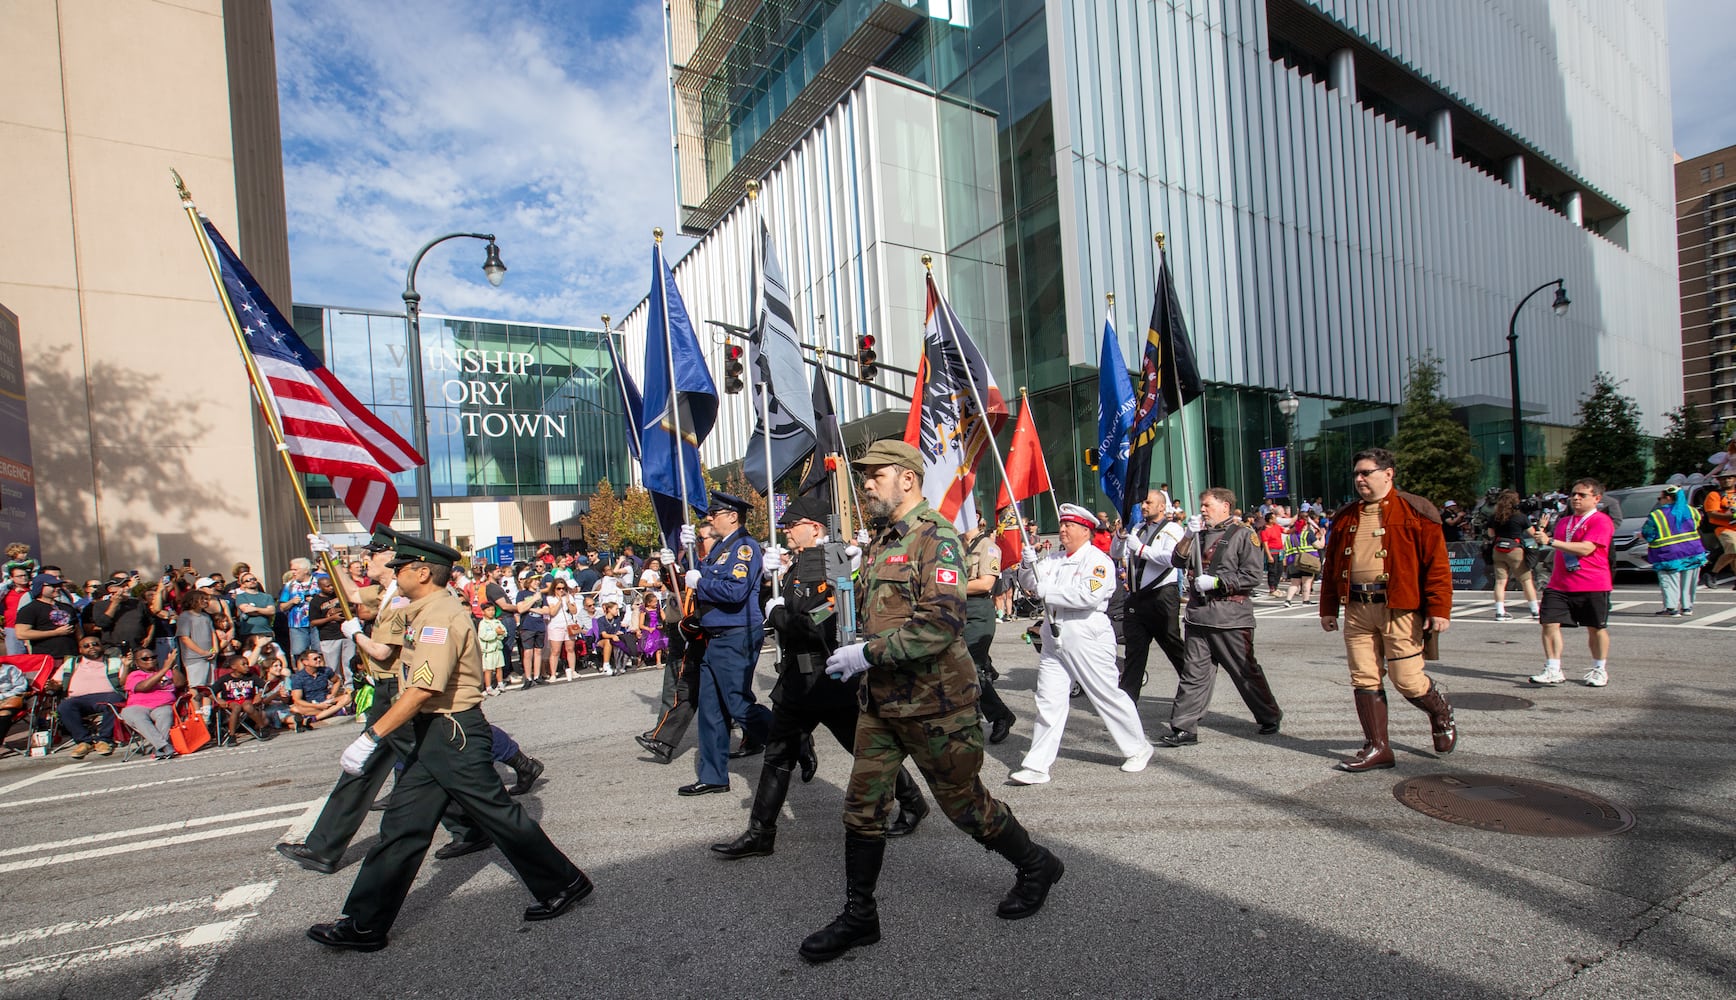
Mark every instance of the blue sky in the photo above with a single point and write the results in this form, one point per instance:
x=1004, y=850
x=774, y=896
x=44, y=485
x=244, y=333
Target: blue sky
x=546, y=122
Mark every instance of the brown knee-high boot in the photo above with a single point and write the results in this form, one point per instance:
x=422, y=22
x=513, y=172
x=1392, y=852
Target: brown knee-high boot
x=1444, y=729
x=1375, y=754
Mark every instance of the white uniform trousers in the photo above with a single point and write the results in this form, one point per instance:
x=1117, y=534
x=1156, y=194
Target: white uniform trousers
x=1083, y=652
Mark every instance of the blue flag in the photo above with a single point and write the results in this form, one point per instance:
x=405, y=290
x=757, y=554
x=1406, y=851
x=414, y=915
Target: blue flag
x=632, y=405
x=1114, y=417
x=680, y=397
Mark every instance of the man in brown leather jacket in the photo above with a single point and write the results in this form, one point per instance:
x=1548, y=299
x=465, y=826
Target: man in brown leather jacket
x=1386, y=563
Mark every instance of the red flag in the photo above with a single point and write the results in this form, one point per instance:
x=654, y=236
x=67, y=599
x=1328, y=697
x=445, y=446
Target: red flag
x=1027, y=476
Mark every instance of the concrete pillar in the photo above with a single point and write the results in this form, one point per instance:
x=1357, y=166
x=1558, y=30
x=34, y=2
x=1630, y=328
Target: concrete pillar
x=1576, y=208
x=1516, y=173
x=1441, y=129
x=1343, y=73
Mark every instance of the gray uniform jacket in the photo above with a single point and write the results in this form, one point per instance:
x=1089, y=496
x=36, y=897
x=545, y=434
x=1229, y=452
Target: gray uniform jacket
x=1238, y=559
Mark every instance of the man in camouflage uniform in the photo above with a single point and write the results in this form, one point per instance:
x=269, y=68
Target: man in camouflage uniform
x=917, y=699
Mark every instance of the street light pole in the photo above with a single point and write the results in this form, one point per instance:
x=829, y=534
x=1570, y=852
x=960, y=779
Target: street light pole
x=496, y=271
x=1560, y=306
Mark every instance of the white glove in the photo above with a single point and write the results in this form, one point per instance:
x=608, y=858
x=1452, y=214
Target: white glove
x=776, y=602
x=862, y=537
x=667, y=556
x=317, y=543
x=773, y=560
x=351, y=627
x=1028, y=554
x=356, y=757
x=855, y=554
x=1135, y=546
x=689, y=537
x=1194, y=523
x=1205, y=582
x=847, y=662
x=692, y=579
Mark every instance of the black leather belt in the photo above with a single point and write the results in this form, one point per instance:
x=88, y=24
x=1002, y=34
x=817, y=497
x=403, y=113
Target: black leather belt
x=1368, y=593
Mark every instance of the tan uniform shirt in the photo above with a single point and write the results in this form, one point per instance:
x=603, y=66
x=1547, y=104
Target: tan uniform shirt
x=983, y=559
x=388, y=630
x=441, y=653
x=1368, y=548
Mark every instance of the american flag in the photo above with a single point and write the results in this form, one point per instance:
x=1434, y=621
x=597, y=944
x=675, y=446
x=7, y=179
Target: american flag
x=328, y=431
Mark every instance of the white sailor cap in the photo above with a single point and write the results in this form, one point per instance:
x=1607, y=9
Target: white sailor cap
x=1078, y=515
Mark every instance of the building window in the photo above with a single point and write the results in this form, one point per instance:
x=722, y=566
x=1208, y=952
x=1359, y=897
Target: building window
x=1705, y=174
x=1718, y=169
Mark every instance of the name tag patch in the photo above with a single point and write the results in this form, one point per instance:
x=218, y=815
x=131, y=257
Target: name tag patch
x=897, y=559
x=433, y=635
x=946, y=576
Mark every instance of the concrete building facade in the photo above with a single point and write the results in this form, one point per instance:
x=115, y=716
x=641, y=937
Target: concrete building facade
x=1706, y=235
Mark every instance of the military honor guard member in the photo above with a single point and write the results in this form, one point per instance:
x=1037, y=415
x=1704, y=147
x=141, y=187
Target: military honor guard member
x=917, y=699
x=1226, y=566
x=1153, y=596
x=347, y=804
x=1386, y=565
x=726, y=585
x=804, y=615
x=982, y=571
x=440, y=668
x=1075, y=584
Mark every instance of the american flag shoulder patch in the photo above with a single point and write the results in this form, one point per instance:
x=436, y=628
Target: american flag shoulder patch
x=434, y=635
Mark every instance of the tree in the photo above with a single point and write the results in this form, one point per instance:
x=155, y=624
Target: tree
x=636, y=520
x=600, y=521
x=1607, y=445
x=1686, y=444
x=758, y=506
x=1433, y=450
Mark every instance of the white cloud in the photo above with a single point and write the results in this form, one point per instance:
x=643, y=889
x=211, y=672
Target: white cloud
x=544, y=126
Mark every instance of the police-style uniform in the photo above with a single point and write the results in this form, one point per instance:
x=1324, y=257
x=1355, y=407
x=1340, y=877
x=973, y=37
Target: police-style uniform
x=449, y=760
x=982, y=558
x=728, y=591
x=806, y=697
x=1080, y=648
x=918, y=699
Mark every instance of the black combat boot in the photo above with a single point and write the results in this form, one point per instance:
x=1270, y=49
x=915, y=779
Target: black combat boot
x=1038, y=870
x=527, y=768
x=762, y=823
x=859, y=924
x=912, y=807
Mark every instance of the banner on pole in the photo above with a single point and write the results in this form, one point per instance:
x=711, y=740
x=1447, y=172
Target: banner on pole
x=1275, y=471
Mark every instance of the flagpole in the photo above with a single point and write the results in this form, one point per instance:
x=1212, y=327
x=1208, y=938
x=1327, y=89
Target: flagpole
x=674, y=396
x=1025, y=401
x=976, y=397
x=272, y=420
x=1186, y=448
x=758, y=296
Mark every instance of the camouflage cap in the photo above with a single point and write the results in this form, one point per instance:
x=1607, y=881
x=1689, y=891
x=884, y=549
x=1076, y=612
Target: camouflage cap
x=890, y=451
x=411, y=549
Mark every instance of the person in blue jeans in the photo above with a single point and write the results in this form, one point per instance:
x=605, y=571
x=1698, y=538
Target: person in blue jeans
x=298, y=594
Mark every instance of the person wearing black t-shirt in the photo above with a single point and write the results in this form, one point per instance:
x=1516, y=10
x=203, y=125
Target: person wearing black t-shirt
x=46, y=623
x=1508, y=559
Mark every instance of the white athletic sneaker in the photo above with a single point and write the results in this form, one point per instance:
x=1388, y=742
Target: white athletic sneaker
x=1026, y=776
x=1595, y=677
x=572, y=675
x=1137, y=762
x=1550, y=675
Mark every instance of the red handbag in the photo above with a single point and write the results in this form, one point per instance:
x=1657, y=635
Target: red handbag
x=189, y=732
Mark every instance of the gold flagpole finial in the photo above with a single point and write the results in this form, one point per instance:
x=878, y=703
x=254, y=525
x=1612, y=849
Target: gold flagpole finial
x=1109, y=297
x=928, y=262
x=181, y=186
x=1022, y=391
x=1159, y=238
x=657, y=234
x=752, y=190
x=606, y=327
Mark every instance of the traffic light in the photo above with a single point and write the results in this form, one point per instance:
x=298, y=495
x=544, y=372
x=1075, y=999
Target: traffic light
x=731, y=367
x=866, y=368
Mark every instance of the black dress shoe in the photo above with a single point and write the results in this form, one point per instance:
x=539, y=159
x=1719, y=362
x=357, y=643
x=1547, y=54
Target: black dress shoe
x=1000, y=729
x=1269, y=729
x=748, y=748
x=557, y=904
x=1177, y=738
x=343, y=933
x=459, y=848
x=806, y=760
x=656, y=748
x=304, y=856
x=701, y=788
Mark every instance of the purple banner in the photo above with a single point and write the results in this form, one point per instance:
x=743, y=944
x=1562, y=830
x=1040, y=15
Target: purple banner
x=1275, y=471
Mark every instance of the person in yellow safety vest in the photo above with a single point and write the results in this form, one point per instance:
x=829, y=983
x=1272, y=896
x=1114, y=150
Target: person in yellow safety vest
x=1673, y=547
x=1304, y=536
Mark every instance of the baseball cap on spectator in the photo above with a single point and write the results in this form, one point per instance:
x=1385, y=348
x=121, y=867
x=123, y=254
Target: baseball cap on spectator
x=204, y=582
x=43, y=580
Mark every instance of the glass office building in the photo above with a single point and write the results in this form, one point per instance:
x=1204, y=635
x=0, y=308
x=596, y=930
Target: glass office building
x=515, y=411
x=1344, y=187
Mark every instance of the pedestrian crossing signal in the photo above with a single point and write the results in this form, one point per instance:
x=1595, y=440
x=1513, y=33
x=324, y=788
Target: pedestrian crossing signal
x=732, y=368
x=866, y=358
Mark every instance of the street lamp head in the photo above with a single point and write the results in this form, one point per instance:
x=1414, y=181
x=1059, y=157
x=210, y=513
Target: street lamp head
x=492, y=266
x=1288, y=404
x=1561, y=301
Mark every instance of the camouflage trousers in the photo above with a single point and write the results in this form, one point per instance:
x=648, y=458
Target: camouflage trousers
x=947, y=749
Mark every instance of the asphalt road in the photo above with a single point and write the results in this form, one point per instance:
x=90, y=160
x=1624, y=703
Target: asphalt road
x=1241, y=867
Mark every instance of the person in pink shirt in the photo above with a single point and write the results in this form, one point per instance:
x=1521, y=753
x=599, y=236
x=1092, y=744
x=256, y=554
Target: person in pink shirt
x=1580, y=585
x=150, y=708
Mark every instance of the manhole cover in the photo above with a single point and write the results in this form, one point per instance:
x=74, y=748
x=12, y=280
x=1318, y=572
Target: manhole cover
x=1513, y=805
x=1479, y=701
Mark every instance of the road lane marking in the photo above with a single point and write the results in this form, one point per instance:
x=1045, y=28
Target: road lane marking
x=236, y=898
x=121, y=836
x=140, y=845
x=15, y=803
x=298, y=831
